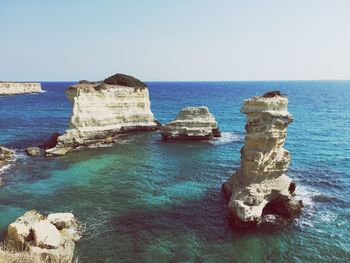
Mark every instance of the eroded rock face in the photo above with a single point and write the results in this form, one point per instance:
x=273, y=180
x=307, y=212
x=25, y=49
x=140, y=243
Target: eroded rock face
x=42, y=238
x=103, y=110
x=260, y=189
x=191, y=123
x=13, y=88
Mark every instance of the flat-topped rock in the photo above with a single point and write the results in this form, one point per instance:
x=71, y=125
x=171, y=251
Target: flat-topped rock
x=51, y=238
x=103, y=110
x=259, y=189
x=14, y=88
x=191, y=123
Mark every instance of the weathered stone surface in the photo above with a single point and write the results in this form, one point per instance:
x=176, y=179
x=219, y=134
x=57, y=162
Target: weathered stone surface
x=191, y=123
x=13, y=88
x=62, y=220
x=51, y=238
x=101, y=111
x=46, y=235
x=33, y=151
x=260, y=186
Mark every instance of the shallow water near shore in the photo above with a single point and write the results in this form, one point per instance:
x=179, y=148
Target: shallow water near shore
x=144, y=200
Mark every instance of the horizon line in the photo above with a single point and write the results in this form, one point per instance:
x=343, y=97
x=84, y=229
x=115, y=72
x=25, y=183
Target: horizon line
x=271, y=80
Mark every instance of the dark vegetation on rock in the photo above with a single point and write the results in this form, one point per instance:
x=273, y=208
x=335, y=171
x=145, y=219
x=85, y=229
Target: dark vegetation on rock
x=272, y=94
x=124, y=80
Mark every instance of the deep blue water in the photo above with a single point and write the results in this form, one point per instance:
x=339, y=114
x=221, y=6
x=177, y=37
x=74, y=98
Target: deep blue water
x=144, y=200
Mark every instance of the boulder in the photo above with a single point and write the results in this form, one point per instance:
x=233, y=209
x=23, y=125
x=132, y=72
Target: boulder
x=191, y=123
x=46, y=235
x=62, y=220
x=33, y=151
x=50, y=238
x=260, y=190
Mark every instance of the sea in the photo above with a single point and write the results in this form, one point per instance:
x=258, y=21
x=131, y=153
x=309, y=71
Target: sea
x=146, y=200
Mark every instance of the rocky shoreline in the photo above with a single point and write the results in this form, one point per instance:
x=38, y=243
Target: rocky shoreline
x=259, y=192
x=16, y=88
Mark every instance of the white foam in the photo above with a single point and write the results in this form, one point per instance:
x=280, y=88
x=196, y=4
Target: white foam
x=227, y=137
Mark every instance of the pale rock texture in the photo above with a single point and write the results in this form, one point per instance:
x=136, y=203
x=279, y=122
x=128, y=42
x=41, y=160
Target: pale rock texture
x=42, y=239
x=102, y=111
x=33, y=151
x=260, y=190
x=191, y=123
x=13, y=88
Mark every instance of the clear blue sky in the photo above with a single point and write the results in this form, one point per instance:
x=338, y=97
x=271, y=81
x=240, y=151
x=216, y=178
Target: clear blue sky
x=175, y=40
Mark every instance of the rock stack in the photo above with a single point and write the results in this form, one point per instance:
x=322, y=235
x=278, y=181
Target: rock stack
x=102, y=110
x=191, y=123
x=259, y=191
x=13, y=88
x=49, y=239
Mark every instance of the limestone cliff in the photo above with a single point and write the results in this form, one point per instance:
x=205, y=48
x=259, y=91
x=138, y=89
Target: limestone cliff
x=260, y=191
x=13, y=88
x=102, y=110
x=191, y=123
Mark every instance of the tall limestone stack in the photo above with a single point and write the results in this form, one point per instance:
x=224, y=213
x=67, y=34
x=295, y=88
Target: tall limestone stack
x=191, y=123
x=14, y=88
x=104, y=109
x=259, y=191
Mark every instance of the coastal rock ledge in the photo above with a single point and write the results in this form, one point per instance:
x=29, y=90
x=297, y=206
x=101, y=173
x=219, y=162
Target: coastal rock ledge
x=103, y=110
x=38, y=238
x=260, y=193
x=14, y=88
x=191, y=123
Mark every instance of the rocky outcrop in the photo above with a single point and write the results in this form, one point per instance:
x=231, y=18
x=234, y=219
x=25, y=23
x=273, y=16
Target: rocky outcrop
x=13, y=88
x=102, y=110
x=51, y=238
x=191, y=123
x=259, y=191
x=6, y=155
x=33, y=151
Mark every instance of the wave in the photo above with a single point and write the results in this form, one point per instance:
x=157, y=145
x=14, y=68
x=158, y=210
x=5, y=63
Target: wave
x=228, y=137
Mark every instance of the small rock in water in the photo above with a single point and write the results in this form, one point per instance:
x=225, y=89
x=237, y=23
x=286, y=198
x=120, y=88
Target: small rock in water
x=33, y=151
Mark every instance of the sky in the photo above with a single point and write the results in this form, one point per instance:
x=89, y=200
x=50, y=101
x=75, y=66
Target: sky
x=182, y=40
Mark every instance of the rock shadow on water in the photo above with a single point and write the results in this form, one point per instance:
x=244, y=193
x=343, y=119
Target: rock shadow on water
x=206, y=217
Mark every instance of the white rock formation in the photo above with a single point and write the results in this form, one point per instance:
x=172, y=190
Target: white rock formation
x=37, y=235
x=191, y=123
x=260, y=187
x=13, y=88
x=103, y=110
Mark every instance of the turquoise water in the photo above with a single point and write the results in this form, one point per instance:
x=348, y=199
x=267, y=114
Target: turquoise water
x=144, y=200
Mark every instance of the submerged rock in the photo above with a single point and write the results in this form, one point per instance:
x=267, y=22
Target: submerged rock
x=13, y=88
x=191, y=123
x=260, y=187
x=103, y=110
x=41, y=238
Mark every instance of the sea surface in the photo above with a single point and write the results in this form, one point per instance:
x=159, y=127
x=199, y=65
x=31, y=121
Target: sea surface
x=144, y=200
